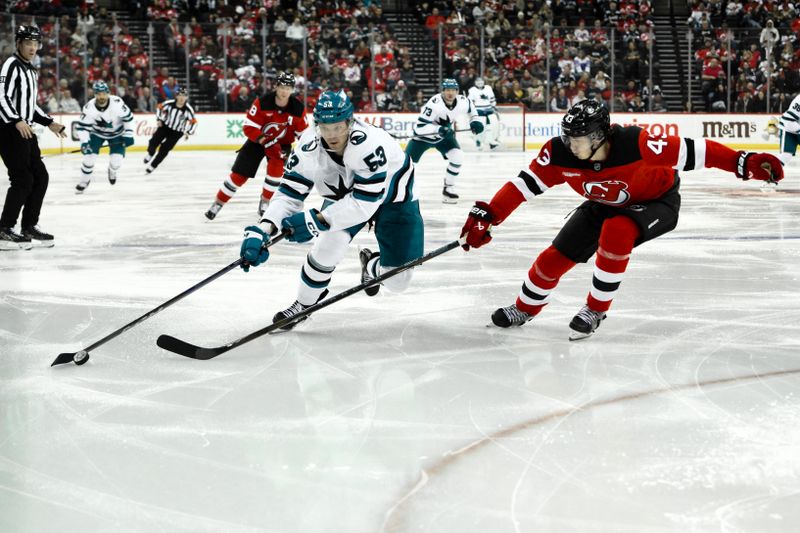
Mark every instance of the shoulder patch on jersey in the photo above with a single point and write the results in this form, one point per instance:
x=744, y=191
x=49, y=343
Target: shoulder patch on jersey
x=310, y=146
x=357, y=137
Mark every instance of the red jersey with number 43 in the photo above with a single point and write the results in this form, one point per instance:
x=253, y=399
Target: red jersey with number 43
x=639, y=167
x=278, y=125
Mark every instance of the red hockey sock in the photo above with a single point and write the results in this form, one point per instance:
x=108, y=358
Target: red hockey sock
x=542, y=279
x=613, y=253
x=231, y=185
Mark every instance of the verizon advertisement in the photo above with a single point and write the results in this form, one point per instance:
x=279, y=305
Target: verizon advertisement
x=223, y=131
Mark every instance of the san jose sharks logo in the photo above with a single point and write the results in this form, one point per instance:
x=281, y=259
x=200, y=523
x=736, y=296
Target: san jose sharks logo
x=102, y=123
x=338, y=191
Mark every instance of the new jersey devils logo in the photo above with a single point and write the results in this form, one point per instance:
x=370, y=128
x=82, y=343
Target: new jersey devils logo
x=611, y=192
x=272, y=130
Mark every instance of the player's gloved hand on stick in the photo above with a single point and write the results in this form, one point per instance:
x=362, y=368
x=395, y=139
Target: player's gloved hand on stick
x=477, y=229
x=86, y=148
x=253, y=251
x=757, y=166
x=476, y=127
x=304, y=226
x=446, y=130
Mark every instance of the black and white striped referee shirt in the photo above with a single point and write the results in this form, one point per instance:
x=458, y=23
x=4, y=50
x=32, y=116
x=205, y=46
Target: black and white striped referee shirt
x=18, y=92
x=177, y=118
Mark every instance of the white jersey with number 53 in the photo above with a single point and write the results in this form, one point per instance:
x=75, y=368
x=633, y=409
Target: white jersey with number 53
x=373, y=171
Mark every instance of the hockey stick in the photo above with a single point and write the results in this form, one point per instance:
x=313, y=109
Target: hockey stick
x=401, y=137
x=186, y=349
x=82, y=356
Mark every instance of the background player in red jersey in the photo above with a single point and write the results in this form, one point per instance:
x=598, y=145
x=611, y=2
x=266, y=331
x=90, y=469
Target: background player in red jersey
x=271, y=125
x=630, y=181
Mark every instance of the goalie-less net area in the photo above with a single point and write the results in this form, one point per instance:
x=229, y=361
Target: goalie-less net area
x=398, y=413
x=506, y=128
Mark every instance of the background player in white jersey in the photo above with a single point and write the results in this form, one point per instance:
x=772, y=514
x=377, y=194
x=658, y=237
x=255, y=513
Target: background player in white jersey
x=789, y=131
x=482, y=97
x=364, y=176
x=105, y=119
x=435, y=128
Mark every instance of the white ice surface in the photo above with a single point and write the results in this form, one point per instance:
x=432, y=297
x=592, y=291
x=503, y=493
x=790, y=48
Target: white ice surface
x=398, y=413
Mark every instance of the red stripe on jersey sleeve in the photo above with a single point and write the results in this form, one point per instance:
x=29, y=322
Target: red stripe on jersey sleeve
x=505, y=201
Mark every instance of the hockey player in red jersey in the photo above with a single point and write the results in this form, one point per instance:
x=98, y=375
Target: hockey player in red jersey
x=630, y=181
x=271, y=125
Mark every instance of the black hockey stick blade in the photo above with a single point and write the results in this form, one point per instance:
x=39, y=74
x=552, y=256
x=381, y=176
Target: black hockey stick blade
x=186, y=349
x=70, y=357
x=63, y=359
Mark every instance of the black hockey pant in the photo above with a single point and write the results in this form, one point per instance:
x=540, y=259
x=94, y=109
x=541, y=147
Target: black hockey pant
x=164, y=139
x=27, y=174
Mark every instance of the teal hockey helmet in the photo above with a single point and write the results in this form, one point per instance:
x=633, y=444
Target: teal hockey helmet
x=100, y=87
x=449, y=83
x=333, y=107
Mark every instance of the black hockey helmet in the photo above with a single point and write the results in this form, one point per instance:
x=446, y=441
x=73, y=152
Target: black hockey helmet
x=28, y=33
x=285, y=78
x=585, y=118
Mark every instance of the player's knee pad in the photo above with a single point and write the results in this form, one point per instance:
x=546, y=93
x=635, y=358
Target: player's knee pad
x=331, y=247
x=551, y=264
x=455, y=156
x=275, y=167
x=115, y=161
x=88, y=160
x=397, y=283
x=618, y=235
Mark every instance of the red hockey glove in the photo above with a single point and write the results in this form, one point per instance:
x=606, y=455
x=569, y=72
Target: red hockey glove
x=477, y=228
x=764, y=167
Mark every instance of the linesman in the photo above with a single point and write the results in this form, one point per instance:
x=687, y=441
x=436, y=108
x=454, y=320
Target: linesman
x=19, y=147
x=176, y=119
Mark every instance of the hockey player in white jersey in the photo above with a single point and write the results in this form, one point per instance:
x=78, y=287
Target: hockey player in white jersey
x=789, y=131
x=435, y=128
x=364, y=176
x=482, y=97
x=104, y=119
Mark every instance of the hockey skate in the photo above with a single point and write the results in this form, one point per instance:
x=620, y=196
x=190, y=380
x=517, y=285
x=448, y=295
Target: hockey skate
x=508, y=317
x=11, y=240
x=38, y=238
x=81, y=186
x=292, y=310
x=493, y=146
x=449, y=195
x=585, y=323
x=147, y=158
x=213, y=210
x=365, y=255
x=149, y=169
x=112, y=176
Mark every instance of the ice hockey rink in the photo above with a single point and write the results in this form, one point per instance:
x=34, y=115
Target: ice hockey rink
x=404, y=412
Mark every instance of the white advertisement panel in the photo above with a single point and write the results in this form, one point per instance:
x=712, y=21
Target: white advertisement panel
x=223, y=131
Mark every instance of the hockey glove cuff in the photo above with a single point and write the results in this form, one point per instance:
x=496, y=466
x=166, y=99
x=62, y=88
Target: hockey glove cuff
x=476, y=127
x=759, y=166
x=477, y=229
x=253, y=252
x=304, y=226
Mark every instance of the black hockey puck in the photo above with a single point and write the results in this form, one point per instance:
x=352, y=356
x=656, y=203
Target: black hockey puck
x=81, y=357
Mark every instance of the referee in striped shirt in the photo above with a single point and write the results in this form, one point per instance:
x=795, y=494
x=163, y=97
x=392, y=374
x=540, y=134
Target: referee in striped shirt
x=19, y=147
x=175, y=119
